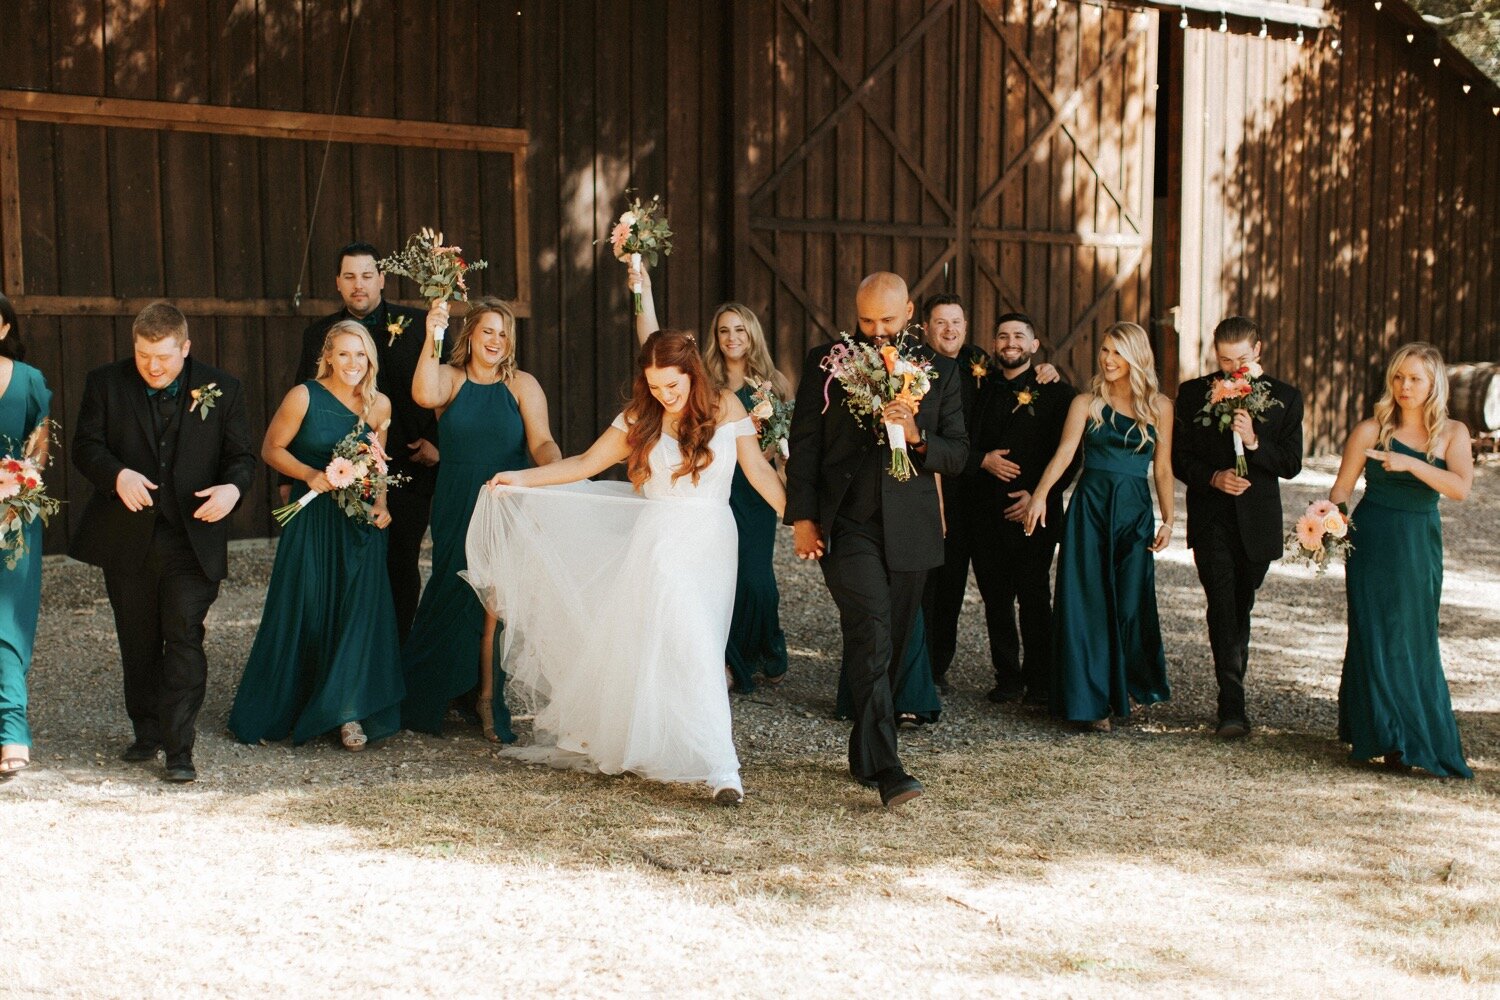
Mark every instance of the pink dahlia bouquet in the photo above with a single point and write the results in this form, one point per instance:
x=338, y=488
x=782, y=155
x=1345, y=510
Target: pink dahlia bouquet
x=772, y=417
x=358, y=472
x=23, y=499
x=1320, y=534
x=1241, y=389
x=642, y=232
x=874, y=376
x=438, y=271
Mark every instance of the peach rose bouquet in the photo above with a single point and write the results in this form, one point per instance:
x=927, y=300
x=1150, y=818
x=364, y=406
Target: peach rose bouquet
x=358, y=472
x=1320, y=534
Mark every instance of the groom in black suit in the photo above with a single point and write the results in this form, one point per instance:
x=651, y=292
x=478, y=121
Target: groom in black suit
x=875, y=537
x=1234, y=522
x=164, y=440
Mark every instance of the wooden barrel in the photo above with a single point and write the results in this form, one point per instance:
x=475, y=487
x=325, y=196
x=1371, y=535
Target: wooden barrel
x=1474, y=395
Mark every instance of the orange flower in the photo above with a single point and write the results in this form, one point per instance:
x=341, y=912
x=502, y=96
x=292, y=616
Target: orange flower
x=888, y=355
x=1310, y=533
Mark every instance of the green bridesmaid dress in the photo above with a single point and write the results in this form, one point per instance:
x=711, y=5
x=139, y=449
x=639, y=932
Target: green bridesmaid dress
x=23, y=406
x=479, y=434
x=913, y=692
x=1393, y=696
x=325, y=653
x=756, y=643
x=1107, y=637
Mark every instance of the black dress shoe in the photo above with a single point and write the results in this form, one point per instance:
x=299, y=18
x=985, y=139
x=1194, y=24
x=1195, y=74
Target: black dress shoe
x=1000, y=694
x=867, y=782
x=898, y=789
x=181, y=770
x=140, y=750
x=1233, y=729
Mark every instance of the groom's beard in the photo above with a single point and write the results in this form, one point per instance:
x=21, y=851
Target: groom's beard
x=1014, y=368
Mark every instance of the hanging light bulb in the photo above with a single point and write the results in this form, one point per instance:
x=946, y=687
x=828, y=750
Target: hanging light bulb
x=1409, y=38
x=1182, y=22
x=1377, y=4
x=1466, y=88
x=1223, y=22
x=1263, y=27
x=1051, y=4
x=1437, y=60
x=1299, y=36
x=1334, y=44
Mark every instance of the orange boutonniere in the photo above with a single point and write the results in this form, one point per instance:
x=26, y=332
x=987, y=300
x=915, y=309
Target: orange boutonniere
x=396, y=328
x=979, y=370
x=1025, y=397
x=204, y=398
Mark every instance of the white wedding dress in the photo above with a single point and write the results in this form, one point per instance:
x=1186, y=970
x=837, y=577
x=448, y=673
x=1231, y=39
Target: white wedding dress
x=616, y=608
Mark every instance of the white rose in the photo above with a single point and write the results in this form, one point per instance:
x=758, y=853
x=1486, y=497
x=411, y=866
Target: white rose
x=762, y=410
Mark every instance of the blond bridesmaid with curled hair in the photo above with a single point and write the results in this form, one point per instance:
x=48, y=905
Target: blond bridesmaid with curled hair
x=1393, y=697
x=1108, y=650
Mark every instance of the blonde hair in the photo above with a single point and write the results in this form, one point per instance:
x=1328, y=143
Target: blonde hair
x=758, y=363
x=1135, y=347
x=1434, y=411
x=458, y=354
x=366, y=388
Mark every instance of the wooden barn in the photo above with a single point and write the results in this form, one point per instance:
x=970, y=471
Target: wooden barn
x=1333, y=171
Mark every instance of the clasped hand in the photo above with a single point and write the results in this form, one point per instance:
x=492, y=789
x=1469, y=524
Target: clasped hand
x=997, y=465
x=807, y=539
x=1244, y=425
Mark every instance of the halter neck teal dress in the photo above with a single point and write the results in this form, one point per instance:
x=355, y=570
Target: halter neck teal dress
x=1393, y=696
x=1107, y=636
x=23, y=406
x=326, y=650
x=756, y=643
x=479, y=434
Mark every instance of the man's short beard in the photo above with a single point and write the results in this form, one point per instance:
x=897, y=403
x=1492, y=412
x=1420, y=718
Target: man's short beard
x=1021, y=362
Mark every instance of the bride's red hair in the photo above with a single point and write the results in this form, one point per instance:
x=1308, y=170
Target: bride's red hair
x=643, y=414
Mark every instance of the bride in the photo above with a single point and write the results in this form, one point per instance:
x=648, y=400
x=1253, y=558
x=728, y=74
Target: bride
x=617, y=597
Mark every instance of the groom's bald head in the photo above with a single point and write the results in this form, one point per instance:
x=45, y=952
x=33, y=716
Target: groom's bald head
x=883, y=304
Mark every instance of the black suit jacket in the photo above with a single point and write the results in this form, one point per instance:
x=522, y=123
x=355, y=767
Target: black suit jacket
x=114, y=432
x=1198, y=452
x=828, y=447
x=1030, y=434
x=398, y=365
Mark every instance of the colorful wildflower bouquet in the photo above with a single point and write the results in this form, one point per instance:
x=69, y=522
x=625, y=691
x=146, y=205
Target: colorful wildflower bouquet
x=1320, y=534
x=438, y=271
x=874, y=376
x=1241, y=389
x=23, y=499
x=772, y=416
x=358, y=472
x=642, y=232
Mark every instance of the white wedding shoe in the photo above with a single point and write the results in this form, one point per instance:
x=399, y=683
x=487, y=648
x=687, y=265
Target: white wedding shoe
x=730, y=794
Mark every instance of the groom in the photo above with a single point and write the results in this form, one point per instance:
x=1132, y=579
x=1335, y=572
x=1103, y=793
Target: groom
x=164, y=440
x=874, y=536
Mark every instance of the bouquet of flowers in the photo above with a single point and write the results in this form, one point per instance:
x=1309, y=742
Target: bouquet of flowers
x=1321, y=533
x=772, y=416
x=641, y=232
x=873, y=377
x=23, y=499
x=357, y=472
x=1241, y=389
x=438, y=271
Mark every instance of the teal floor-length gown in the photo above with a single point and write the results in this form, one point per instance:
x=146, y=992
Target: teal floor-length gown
x=1107, y=636
x=326, y=650
x=1393, y=696
x=23, y=406
x=913, y=692
x=756, y=643
x=479, y=434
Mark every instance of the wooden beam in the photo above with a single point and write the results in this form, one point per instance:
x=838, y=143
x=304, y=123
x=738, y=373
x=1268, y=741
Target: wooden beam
x=105, y=305
x=174, y=116
x=10, y=210
x=1310, y=15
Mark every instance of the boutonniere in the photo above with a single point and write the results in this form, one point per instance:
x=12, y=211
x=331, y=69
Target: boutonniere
x=204, y=398
x=396, y=328
x=979, y=369
x=1025, y=397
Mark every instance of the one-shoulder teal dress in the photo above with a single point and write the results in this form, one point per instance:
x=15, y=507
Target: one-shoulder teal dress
x=23, y=406
x=479, y=434
x=1393, y=697
x=326, y=650
x=1107, y=636
x=756, y=643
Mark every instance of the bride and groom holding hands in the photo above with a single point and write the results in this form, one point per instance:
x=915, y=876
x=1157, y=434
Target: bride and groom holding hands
x=617, y=597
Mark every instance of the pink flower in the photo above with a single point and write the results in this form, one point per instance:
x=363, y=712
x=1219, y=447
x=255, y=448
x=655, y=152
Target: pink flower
x=10, y=484
x=340, y=473
x=618, y=236
x=1310, y=534
x=1320, y=509
x=1335, y=525
x=1223, y=389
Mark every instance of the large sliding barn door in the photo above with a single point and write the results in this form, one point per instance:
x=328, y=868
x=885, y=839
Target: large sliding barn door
x=996, y=148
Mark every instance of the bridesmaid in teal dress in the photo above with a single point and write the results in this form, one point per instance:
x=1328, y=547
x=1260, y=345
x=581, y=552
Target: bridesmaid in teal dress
x=1107, y=650
x=1393, y=697
x=492, y=417
x=24, y=401
x=914, y=694
x=737, y=357
x=325, y=657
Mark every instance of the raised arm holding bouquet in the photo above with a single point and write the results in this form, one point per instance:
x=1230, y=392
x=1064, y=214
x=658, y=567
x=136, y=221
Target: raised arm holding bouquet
x=641, y=234
x=438, y=271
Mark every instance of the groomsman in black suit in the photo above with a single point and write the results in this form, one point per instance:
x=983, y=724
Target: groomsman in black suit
x=1016, y=430
x=1234, y=522
x=875, y=536
x=164, y=440
x=412, y=439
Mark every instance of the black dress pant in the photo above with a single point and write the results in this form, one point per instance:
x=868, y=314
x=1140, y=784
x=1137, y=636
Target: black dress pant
x=1013, y=569
x=410, y=512
x=877, y=607
x=1230, y=579
x=943, y=598
x=159, y=609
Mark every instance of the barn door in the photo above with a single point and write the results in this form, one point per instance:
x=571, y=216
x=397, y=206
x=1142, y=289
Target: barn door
x=997, y=148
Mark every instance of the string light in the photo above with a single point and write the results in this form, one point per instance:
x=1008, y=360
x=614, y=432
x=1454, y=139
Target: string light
x=1466, y=88
x=1263, y=27
x=1377, y=4
x=1182, y=22
x=1410, y=38
x=1335, y=44
x=1223, y=22
x=1299, y=36
x=1437, y=61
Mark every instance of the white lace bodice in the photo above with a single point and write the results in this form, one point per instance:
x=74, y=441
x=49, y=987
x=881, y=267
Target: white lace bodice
x=713, y=481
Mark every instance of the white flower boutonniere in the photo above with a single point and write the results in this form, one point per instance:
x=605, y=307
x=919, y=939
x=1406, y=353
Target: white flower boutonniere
x=204, y=398
x=396, y=328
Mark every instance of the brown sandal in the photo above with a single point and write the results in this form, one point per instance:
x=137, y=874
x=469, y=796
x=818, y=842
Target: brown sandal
x=352, y=736
x=14, y=757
